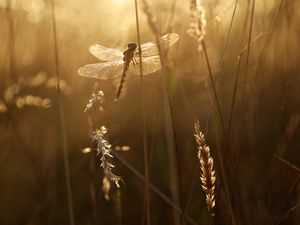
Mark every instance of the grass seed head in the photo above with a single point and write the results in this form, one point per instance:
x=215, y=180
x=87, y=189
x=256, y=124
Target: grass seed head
x=104, y=152
x=207, y=176
x=197, y=27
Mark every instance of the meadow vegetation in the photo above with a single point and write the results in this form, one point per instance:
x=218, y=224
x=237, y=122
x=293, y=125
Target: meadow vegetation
x=213, y=137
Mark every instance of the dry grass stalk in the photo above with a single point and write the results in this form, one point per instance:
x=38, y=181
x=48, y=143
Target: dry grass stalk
x=199, y=23
x=145, y=140
x=62, y=117
x=152, y=24
x=11, y=38
x=197, y=28
x=173, y=151
x=176, y=208
x=208, y=177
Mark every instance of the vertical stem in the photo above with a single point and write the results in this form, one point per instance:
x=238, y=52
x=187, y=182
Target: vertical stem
x=62, y=119
x=145, y=147
x=251, y=103
x=249, y=49
x=237, y=75
x=249, y=45
x=93, y=176
x=11, y=41
x=272, y=26
x=173, y=152
x=213, y=87
x=172, y=15
x=220, y=155
x=212, y=218
x=155, y=189
x=228, y=34
x=191, y=192
x=118, y=206
x=233, y=100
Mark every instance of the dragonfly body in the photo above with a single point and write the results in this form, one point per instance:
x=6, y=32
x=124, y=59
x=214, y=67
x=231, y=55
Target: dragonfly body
x=116, y=63
x=127, y=59
x=129, y=52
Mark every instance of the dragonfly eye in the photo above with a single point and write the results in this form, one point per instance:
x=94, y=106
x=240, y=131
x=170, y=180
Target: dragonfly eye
x=132, y=45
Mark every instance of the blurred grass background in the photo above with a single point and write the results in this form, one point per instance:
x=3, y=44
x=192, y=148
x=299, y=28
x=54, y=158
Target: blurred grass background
x=264, y=140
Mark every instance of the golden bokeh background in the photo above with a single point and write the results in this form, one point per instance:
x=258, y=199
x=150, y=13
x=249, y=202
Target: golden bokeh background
x=264, y=139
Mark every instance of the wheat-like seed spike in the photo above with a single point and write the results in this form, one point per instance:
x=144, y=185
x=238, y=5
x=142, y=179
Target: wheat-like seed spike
x=207, y=176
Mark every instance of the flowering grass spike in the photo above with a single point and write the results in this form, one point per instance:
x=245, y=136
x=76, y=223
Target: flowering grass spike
x=197, y=28
x=104, y=151
x=96, y=97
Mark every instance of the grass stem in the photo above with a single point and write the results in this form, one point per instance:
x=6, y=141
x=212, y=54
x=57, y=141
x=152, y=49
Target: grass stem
x=62, y=119
x=175, y=170
x=220, y=155
x=176, y=208
x=145, y=147
x=11, y=42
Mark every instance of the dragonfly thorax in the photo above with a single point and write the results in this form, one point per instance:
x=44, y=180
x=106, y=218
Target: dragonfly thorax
x=129, y=52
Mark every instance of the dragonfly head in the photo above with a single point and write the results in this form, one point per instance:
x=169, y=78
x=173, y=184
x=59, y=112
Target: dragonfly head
x=132, y=46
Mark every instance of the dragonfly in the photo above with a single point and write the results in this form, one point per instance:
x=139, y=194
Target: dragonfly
x=116, y=64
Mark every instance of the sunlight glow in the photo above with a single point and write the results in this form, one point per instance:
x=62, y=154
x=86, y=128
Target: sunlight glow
x=86, y=150
x=120, y=2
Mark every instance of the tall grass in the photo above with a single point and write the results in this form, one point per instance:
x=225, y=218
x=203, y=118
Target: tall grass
x=11, y=43
x=244, y=90
x=199, y=32
x=173, y=151
x=143, y=103
x=62, y=119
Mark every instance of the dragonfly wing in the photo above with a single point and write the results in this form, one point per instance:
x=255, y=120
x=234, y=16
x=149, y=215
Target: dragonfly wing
x=103, y=71
x=150, y=64
x=105, y=54
x=150, y=48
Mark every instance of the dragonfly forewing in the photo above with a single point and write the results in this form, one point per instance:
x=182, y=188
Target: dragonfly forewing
x=103, y=71
x=151, y=49
x=105, y=54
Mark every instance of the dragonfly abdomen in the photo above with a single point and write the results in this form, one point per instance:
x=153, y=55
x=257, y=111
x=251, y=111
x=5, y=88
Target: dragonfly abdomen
x=121, y=84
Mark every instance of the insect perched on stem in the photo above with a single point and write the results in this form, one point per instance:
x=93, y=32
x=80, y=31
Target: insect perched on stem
x=117, y=63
